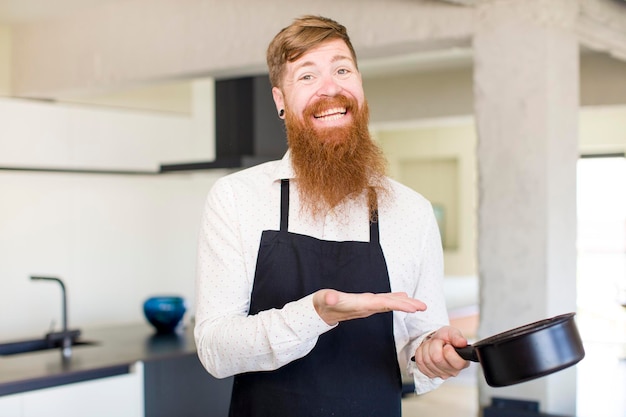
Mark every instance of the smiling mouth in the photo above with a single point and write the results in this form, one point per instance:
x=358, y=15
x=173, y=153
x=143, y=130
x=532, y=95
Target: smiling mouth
x=331, y=114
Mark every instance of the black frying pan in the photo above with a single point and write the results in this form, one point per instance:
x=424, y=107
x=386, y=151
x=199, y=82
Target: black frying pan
x=527, y=352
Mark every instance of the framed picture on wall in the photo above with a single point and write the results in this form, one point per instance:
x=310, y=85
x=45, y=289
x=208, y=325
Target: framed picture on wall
x=440, y=215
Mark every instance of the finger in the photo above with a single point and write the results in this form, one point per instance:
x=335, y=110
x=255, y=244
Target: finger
x=437, y=360
x=451, y=335
x=421, y=362
x=401, y=302
x=406, y=306
x=431, y=358
x=456, y=338
x=456, y=363
x=443, y=360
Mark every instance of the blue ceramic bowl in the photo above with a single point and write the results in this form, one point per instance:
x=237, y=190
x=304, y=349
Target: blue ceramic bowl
x=164, y=312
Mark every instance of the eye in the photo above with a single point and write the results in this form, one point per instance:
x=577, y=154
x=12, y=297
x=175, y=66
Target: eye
x=307, y=78
x=343, y=72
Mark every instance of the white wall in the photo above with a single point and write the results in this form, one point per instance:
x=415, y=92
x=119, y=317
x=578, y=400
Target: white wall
x=603, y=129
x=113, y=239
x=171, y=97
x=421, y=95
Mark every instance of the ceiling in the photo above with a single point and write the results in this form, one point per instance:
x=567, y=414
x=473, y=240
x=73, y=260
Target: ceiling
x=21, y=11
x=18, y=11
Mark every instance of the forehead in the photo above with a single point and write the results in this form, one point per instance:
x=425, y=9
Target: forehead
x=327, y=52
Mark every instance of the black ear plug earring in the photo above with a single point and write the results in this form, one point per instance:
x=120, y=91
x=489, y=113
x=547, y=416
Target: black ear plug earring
x=281, y=113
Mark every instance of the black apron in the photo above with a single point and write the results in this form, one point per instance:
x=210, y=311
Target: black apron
x=353, y=368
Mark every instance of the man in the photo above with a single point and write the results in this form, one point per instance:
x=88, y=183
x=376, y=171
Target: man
x=315, y=272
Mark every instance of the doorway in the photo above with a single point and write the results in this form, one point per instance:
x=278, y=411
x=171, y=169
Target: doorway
x=601, y=284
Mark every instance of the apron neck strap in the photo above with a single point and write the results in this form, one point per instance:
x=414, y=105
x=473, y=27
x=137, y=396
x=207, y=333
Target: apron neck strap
x=374, y=236
x=372, y=203
x=284, y=205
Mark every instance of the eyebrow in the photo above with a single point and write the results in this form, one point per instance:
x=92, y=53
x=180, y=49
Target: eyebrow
x=333, y=60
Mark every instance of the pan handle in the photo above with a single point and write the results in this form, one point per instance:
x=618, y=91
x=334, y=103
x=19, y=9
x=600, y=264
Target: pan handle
x=468, y=353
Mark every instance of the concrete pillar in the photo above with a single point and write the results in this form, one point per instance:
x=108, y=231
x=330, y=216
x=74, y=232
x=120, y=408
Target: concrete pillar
x=526, y=103
x=5, y=60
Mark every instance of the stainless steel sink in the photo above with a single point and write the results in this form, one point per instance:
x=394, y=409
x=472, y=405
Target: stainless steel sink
x=36, y=345
x=63, y=340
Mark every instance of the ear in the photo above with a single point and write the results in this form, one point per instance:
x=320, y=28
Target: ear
x=279, y=99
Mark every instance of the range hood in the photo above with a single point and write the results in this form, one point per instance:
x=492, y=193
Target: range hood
x=247, y=129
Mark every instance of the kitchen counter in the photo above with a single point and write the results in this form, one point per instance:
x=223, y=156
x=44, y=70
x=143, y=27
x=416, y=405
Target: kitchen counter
x=114, y=352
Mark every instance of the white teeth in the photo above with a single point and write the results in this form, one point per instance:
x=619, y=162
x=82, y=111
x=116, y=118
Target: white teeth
x=332, y=114
x=332, y=117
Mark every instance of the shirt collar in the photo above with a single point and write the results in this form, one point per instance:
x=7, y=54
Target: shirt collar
x=284, y=169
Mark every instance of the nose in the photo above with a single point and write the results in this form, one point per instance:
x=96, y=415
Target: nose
x=329, y=87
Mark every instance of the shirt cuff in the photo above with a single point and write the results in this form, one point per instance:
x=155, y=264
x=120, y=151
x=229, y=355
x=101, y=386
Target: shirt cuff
x=304, y=320
x=423, y=384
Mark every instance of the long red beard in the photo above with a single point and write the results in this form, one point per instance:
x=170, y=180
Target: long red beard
x=335, y=163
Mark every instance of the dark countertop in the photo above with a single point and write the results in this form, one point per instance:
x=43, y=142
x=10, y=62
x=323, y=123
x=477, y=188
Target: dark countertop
x=114, y=352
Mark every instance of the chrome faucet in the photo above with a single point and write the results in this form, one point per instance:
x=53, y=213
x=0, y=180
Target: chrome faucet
x=65, y=336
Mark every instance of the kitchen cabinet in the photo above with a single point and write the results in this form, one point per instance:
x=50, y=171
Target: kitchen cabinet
x=180, y=386
x=120, y=395
x=10, y=405
x=129, y=371
x=162, y=388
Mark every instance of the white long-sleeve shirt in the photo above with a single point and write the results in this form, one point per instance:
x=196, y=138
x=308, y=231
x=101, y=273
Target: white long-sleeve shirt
x=239, y=207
